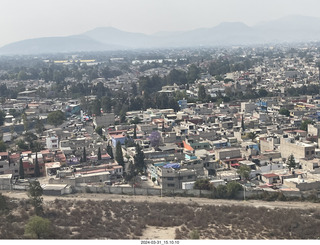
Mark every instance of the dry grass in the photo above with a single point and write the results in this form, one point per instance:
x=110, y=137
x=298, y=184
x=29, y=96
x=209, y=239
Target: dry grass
x=73, y=219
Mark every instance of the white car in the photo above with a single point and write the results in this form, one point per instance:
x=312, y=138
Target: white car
x=144, y=178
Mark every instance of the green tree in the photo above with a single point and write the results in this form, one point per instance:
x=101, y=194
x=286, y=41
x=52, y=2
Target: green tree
x=3, y=146
x=202, y=93
x=242, y=124
x=35, y=195
x=110, y=151
x=2, y=117
x=25, y=122
x=119, y=154
x=221, y=191
x=194, y=235
x=56, y=118
x=193, y=73
x=135, y=131
x=139, y=162
x=203, y=184
x=22, y=75
x=99, y=154
x=252, y=135
x=233, y=188
x=284, y=111
x=304, y=124
x=39, y=126
x=36, y=167
x=98, y=130
x=21, y=169
x=38, y=228
x=84, y=155
x=291, y=162
x=96, y=107
x=244, y=172
x=3, y=203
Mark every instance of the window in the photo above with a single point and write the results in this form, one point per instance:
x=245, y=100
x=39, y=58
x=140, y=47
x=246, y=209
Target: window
x=180, y=177
x=1, y=166
x=170, y=185
x=307, y=152
x=312, y=152
x=170, y=178
x=190, y=177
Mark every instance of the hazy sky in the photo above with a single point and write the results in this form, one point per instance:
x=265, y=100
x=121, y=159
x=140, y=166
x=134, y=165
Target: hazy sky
x=23, y=19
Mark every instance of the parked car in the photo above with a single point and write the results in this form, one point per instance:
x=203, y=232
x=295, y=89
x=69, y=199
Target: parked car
x=144, y=178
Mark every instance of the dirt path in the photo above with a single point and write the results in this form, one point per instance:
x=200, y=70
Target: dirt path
x=185, y=200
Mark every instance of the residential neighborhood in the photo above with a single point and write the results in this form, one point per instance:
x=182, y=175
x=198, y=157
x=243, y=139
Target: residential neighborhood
x=224, y=122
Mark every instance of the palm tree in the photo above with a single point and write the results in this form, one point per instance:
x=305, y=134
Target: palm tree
x=252, y=135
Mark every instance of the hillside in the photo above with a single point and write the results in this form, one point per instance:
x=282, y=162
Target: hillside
x=128, y=218
x=288, y=29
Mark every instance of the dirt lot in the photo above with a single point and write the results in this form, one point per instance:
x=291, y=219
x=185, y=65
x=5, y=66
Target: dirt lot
x=185, y=200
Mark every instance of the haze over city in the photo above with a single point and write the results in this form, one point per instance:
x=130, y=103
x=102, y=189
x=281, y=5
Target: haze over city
x=21, y=20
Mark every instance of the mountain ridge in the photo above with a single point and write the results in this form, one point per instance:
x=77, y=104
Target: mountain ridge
x=287, y=29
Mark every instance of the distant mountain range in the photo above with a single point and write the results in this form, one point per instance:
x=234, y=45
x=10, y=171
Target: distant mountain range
x=287, y=29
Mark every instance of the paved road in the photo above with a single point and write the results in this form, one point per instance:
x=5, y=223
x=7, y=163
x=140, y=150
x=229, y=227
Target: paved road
x=185, y=200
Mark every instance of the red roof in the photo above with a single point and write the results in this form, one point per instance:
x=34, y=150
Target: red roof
x=270, y=175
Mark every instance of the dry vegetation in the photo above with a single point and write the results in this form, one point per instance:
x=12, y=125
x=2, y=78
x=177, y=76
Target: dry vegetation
x=74, y=219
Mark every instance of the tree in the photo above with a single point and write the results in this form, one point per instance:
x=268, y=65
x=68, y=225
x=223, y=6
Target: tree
x=252, y=135
x=244, y=171
x=291, y=162
x=35, y=194
x=3, y=203
x=242, y=124
x=2, y=117
x=38, y=228
x=155, y=139
x=25, y=122
x=56, y=118
x=99, y=154
x=194, y=235
x=84, y=155
x=202, y=93
x=119, y=154
x=110, y=151
x=98, y=130
x=36, y=167
x=21, y=169
x=139, y=162
x=221, y=191
x=96, y=107
x=203, y=184
x=304, y=124
x=3, y=146
x=135, y=131
x=193, y=73
x=39, y=126
x=233, y=188
x=284, y=111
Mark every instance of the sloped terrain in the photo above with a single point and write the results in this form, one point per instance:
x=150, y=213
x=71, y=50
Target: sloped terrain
x=106, y=219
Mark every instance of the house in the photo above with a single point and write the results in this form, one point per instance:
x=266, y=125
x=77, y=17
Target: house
x=6, y=181
x=170, y=176
x=56, y=189
x=105, y=120
x=299, y=149
x=270, y=178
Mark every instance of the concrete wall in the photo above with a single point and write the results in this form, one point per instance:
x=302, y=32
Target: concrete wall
x=139, y=191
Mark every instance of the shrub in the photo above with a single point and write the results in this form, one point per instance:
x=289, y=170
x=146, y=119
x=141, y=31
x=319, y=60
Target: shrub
x=194, y=234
